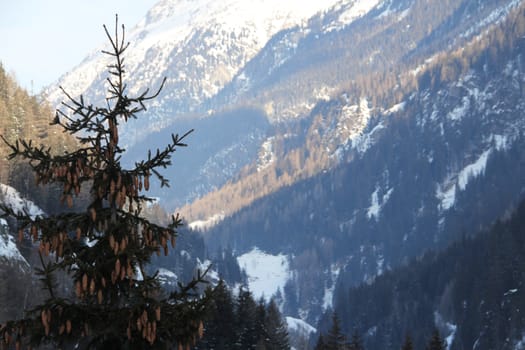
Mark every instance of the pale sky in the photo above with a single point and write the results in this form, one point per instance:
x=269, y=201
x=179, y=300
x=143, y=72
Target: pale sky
x=42, y=39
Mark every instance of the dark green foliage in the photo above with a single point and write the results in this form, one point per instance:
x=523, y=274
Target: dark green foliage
x=102, y=250
x=474, y=284
x=246, y=321
x=436, y=342
x=407, y=344
x=335, y=338
x=356, y=343
x=243, y=324
x=228, y=268
x=276, y=332
x=220, y=322
x=321, y=344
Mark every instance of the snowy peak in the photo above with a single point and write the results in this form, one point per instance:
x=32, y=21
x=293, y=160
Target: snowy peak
x=172, y=28
x=199, y=45
x=267, y=15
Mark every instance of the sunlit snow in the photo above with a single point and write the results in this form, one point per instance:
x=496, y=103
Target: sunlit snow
x=170, y=26
x=353, y=11
x=203, y=225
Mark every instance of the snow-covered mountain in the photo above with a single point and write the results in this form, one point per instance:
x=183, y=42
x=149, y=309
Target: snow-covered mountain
x=204, y=48
x=371, y=130
x=442, y=160
x=198, y=45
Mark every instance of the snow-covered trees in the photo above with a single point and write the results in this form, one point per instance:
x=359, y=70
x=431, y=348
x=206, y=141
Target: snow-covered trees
x=103, y=249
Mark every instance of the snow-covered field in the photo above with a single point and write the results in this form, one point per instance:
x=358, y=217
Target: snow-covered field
x=266, y=273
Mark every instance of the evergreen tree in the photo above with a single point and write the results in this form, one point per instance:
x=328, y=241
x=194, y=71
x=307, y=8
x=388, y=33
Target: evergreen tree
x=220, y=324
x=246, y=321
x=260, y=325
x=408, y=345
x=320, y=345
x=335, y=339
x=356, y=343
x=104, y=248
x=436, y=342
x=276, y=329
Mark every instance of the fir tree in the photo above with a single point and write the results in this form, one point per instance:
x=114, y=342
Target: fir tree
x=356, y=343
x=335, y=339
x=407, y=344
x=436, y=342
x=320, y=345
x=220, y=324
x=247, y=332
x=276, y=329
x=105, y=247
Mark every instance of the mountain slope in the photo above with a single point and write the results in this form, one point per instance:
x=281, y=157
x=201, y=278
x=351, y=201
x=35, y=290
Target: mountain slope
x=15, y=270
x=366, y=64
x=199, y=46
x=446, y=158
x=472, y=292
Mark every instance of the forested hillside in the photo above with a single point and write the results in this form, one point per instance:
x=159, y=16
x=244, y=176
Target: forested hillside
x=27, y=117
x=473, y=292
x=360, y=92
x=445, y=158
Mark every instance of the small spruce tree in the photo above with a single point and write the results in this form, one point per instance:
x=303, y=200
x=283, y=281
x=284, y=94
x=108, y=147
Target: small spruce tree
x=335, y=339
x=356, y=343
x=436, y=342
x=321, y=344
x=407, y=344
x=115, y=303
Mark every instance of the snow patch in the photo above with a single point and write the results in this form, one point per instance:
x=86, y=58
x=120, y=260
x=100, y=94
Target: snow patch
x=448, y=326
x=396, y=108
x=446, y=196
x=473, y=170
x=13, y=199
x=203, y=225
x=446, y=192
x=355, y=10
x=501, y=142
x=375, y=206
x=459, y=112
x=266, y=154
x=520, y=344
x=297, y=325
x=328, y=297
x=167, y=277
x=266, y=273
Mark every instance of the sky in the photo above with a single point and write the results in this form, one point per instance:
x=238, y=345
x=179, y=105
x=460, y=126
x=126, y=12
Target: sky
x=43, y=39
